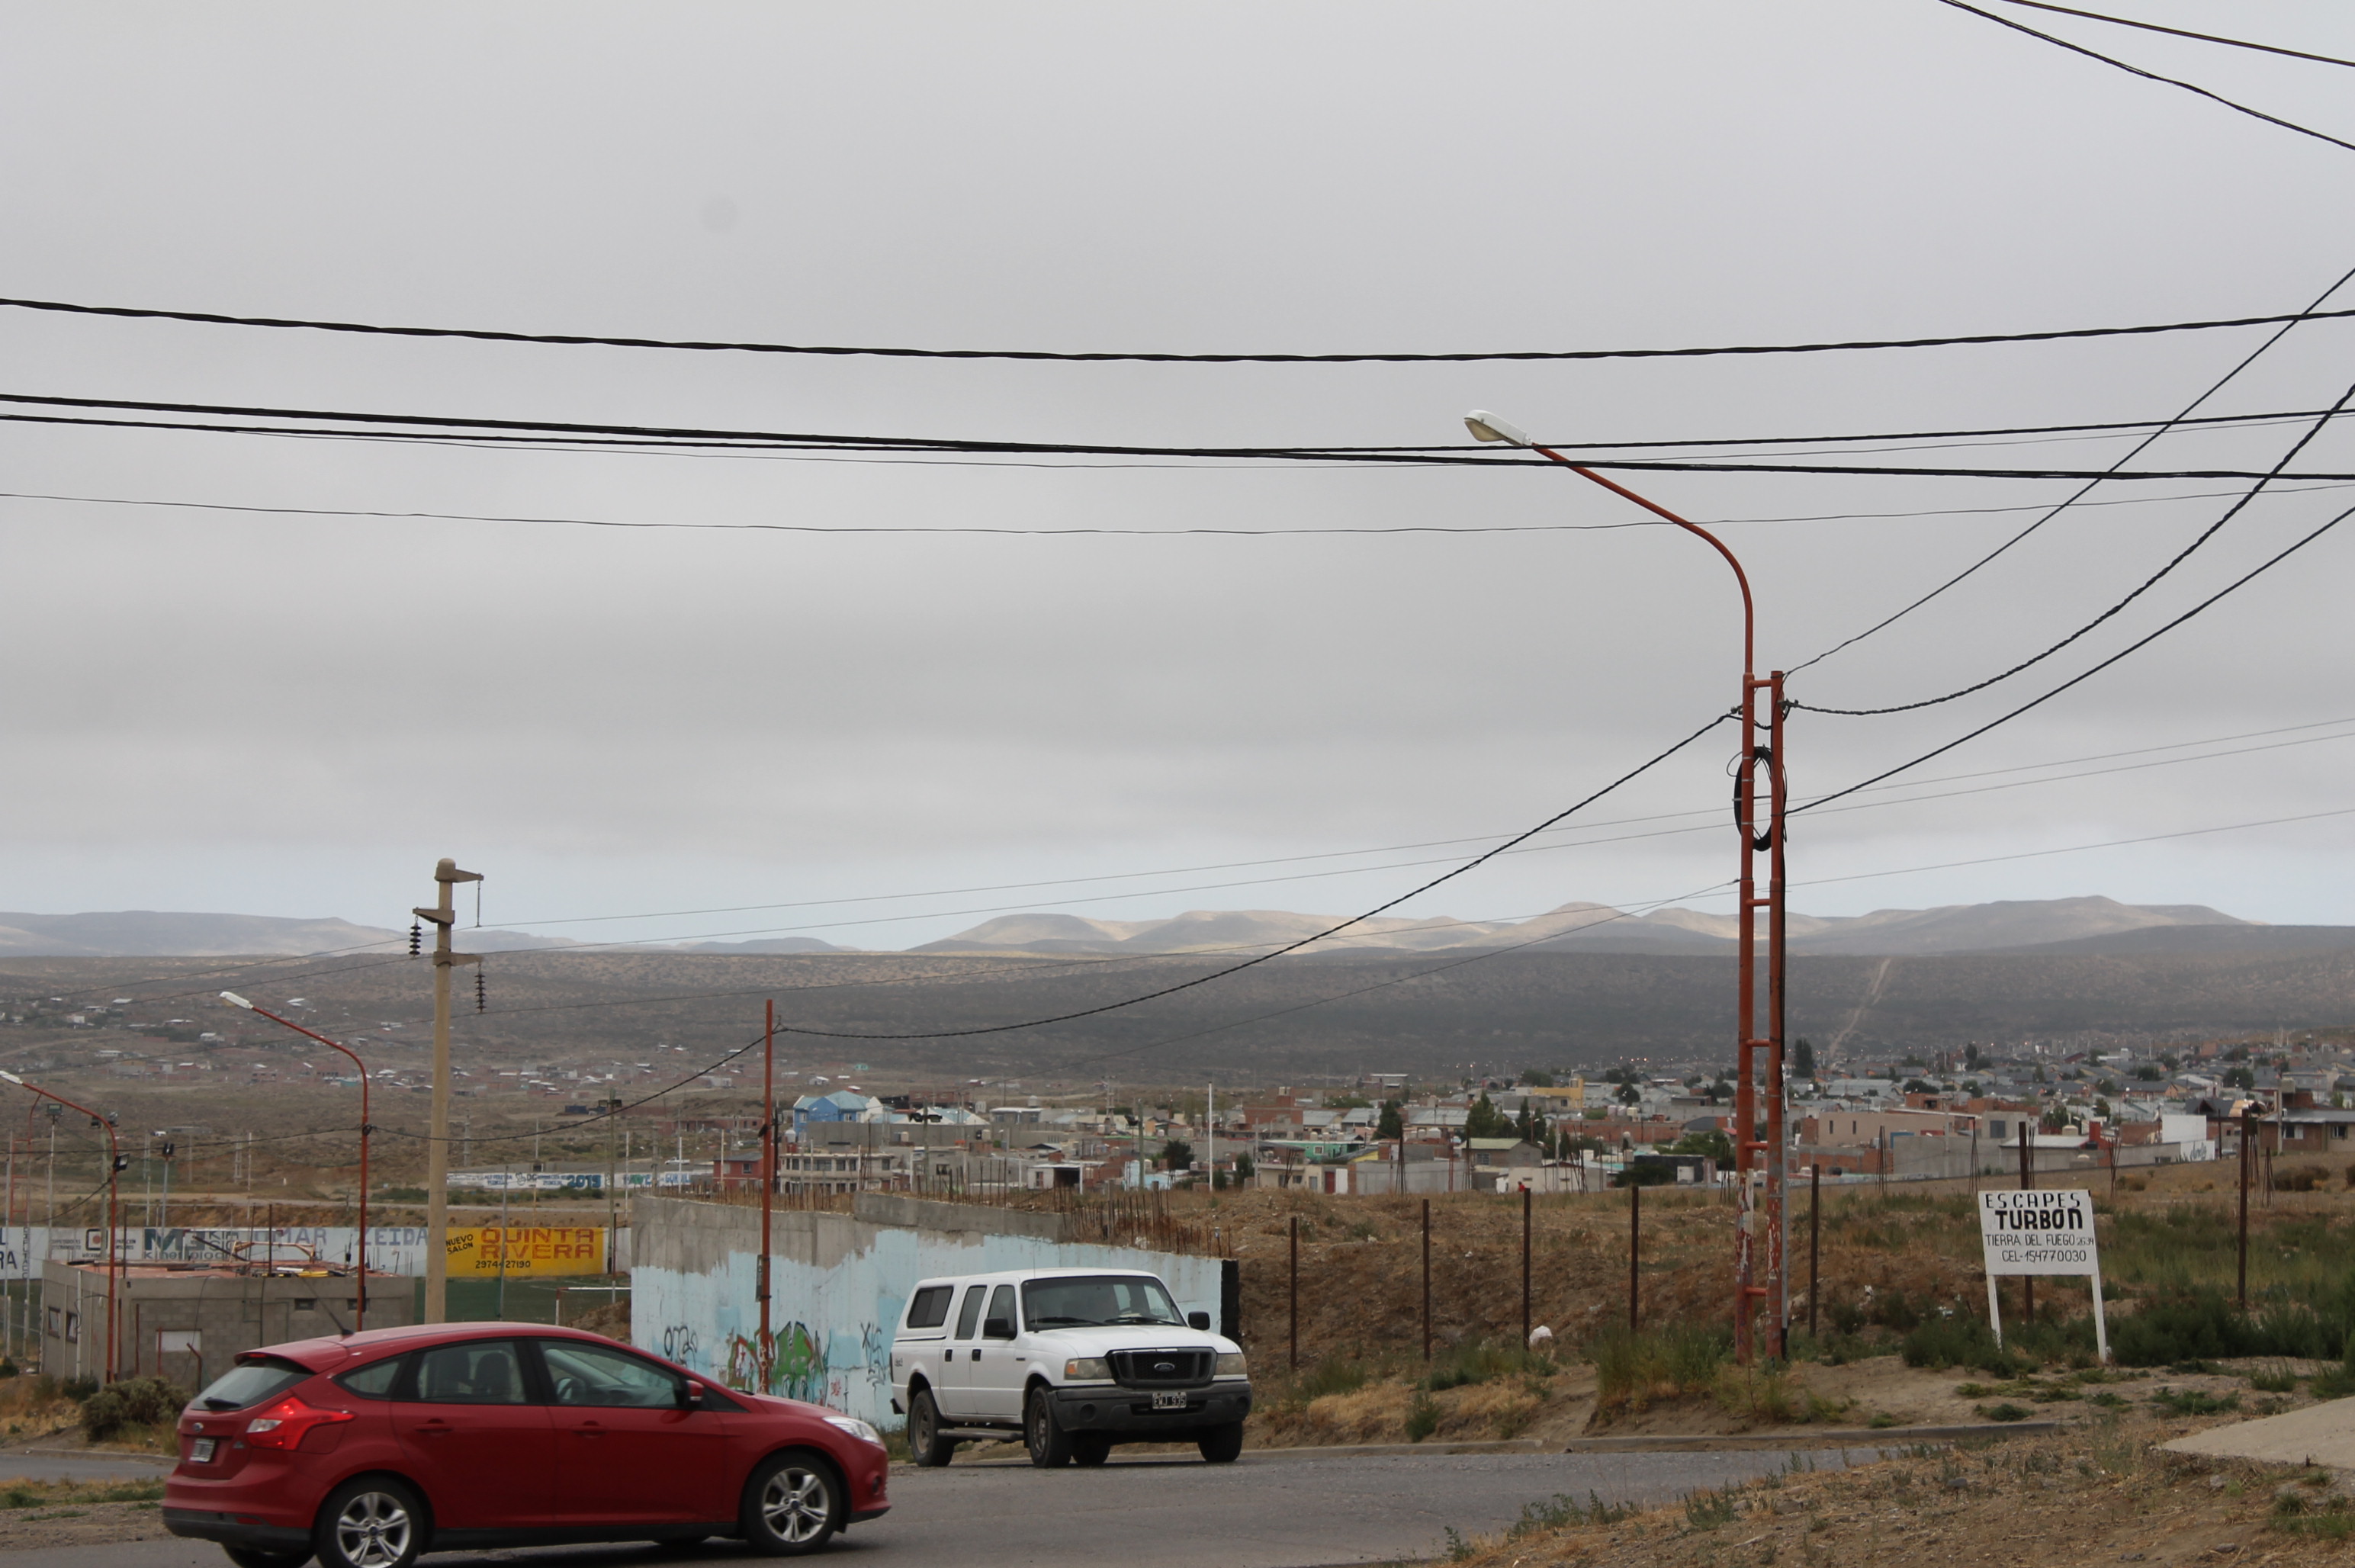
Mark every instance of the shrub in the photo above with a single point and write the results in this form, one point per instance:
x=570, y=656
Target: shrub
x=2301, y=1179
x=1421, y=1417
x=1334, y=1374
x=1631, y=1369
x=1480, y=1362
x=2006, y=1411
x=2194, y=1402
x=134, y=1402
x=2279, y=1378
x=77, y=1388
x=1939, y=1343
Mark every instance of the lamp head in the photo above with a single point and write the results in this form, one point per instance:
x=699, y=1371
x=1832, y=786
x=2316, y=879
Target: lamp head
x=234, y=1000
x=1486, y=426
x=11, y=1077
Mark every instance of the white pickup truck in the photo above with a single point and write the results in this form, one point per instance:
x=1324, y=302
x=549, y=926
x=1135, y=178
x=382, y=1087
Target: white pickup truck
x=1075, y=1360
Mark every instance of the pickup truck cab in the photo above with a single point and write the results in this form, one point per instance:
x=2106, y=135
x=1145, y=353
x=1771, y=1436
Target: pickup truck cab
x=1075, y=1360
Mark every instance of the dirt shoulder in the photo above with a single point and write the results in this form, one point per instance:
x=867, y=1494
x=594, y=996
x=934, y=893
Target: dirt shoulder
x=2097, y=1492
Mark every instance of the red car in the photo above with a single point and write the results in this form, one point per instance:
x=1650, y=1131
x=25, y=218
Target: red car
x=374, y=1447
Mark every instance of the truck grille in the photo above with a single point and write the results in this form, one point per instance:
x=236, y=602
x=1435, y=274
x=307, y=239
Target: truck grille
x=1162, y=1369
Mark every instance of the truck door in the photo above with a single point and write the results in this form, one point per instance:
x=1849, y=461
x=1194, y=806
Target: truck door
x=1001, y=1363
x=952, y=1380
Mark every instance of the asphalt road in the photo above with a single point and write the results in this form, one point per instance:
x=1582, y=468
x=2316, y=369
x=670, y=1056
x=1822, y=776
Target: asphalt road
x=1266, y=1511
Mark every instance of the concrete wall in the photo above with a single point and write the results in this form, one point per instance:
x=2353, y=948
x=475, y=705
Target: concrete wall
x=226, y=1313
x=839, y=1284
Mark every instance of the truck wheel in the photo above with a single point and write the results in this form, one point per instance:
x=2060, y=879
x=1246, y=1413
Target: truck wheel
x=925, y=1443
x=1051, y=1445
x=1221, y=1445
x=1091, y=1447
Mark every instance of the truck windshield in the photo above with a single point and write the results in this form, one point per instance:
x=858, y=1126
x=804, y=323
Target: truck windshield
x=1097, y=1301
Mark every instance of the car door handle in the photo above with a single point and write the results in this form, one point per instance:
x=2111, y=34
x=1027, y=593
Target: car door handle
x=433, y=1429
x=590, y=1429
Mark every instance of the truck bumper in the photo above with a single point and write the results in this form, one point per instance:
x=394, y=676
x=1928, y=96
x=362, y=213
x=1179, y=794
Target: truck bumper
x=1108, y=1407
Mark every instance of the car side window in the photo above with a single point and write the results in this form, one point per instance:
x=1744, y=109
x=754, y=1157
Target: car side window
x=374, y=1381
x=1001, y=1308
x=593, y=1375
x=969, y=1314
x=479, y=1371
x=930, y=1308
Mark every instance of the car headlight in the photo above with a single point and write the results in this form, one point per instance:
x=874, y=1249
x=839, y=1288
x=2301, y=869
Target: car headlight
x=857, y=1428
x=1087, y=1369
x=1231, y=1366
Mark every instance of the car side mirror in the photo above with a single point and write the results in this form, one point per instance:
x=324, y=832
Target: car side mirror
x=1200, y=1320
x=690, y=1396
x=998, y=1329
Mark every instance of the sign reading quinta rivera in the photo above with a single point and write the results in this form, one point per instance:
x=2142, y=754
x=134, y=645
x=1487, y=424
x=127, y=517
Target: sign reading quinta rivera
x=522, y=1251
x=2038, y=1232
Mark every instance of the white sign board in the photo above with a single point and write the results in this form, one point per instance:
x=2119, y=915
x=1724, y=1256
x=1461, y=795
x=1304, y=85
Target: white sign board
x=2038, y=1232
x=2024, y=1231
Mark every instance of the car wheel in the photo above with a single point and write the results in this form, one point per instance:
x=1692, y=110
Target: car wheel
x=793, y=1504
x=1051, y=1445
x=371, y=1522
x=925, y=1443
x=265, y=1557
x=1221, y=1445
x=1091, y=1447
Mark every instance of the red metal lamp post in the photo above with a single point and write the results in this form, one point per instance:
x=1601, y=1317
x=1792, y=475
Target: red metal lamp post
x=1761, y=1051
x=359, y=1313
x=114, y=1164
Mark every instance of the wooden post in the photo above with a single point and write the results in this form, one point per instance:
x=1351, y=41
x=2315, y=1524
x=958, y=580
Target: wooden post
x=2248, y=1158
x=2026, y=1180
x=1815, y=1238
x=1293, y=1332
x=1426, y=1279
x=1526, y=1199
x=1634, y=1254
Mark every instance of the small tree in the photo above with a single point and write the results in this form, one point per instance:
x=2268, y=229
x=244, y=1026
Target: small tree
x=1803, y=1058
x=1537, y=1078
x=1244, y=1168
x=1178, y=1155
x=1628, y=1094
x=1390, y=1124
x=1712, y=1143
x=1485, y=1121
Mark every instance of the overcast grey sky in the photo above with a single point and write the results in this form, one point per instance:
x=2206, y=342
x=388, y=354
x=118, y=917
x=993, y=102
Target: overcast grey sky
x=296, y=715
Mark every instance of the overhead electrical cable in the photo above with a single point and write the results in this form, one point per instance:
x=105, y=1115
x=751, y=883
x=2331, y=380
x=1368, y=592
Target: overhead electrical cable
x=340, y=423
x=2182, y=33
x=212, y=318
x=2130, y=649
x=2149, y=582
x=2184, y=417
x=2152, y=75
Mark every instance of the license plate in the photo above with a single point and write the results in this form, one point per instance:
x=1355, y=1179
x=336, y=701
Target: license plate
x=200, y=1452
x=1168, y=1401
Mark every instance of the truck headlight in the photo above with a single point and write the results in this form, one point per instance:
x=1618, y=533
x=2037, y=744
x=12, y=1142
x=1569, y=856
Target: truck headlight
x=1231, y=1366
x=1087, y=1369
x=857, y=1428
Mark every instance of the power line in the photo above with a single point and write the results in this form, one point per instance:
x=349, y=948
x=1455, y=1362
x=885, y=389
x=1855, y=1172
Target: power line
x=2130, y=649
x=2077, y=848
x=213, y=318
x=2149, y=582
x=337, y=424
x=2185, y=417
x=2182, y=33
x=2152, y=75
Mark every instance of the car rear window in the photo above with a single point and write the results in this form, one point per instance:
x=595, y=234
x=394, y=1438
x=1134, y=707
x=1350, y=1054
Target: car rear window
x=251, y=1383
x=930, y=1309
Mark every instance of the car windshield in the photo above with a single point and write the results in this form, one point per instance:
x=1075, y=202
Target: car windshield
x=1097, y=1301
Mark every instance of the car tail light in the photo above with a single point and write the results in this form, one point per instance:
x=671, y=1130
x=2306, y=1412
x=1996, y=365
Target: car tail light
x=287, y=1422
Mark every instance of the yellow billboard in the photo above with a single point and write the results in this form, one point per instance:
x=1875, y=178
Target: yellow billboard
x=525, y=1250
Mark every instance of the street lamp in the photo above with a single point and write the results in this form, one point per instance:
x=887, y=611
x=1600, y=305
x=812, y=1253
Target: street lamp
x=114, y=1164
x=359, y=1312
x=1757, y=1049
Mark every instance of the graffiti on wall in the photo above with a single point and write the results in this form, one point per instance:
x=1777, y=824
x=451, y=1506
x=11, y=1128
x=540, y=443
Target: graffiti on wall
x=797, y=1364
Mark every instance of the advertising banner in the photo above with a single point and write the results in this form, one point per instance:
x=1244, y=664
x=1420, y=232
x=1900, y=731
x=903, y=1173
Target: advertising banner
x=525, y=1252
x=2025, y=1232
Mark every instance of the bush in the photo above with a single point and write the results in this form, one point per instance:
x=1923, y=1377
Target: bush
x=1483, y=1360
x=1334, y=1374
x=2193, y=1401
x=134, y=1402
x=77, y=1388
x=1942, y=1342
x=2301, y=1179
x=1421, y=1417
x=1630, y=1369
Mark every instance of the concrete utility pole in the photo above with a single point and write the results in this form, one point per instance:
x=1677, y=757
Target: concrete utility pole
x=443, y=914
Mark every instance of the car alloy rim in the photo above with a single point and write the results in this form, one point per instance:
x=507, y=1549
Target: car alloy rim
x=795, y=1505
x=373, y=1531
